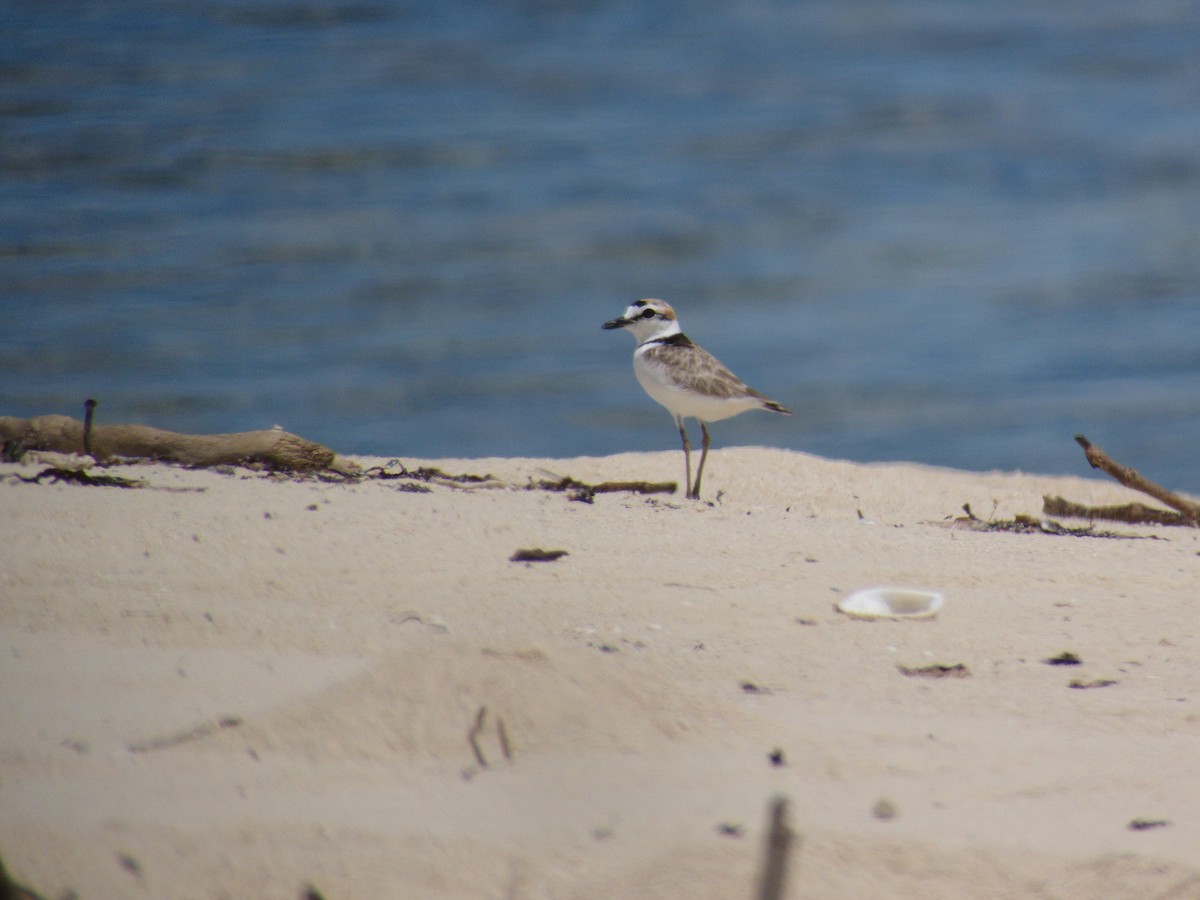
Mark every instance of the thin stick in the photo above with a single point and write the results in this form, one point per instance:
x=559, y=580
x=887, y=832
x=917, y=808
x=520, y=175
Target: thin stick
x=635, y=487
x=473, y=736
x=1131, y=478
x=89, y=409
x=502, y=734
x=779, y=843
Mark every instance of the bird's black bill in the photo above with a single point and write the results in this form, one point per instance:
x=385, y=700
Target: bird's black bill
x=616, y=323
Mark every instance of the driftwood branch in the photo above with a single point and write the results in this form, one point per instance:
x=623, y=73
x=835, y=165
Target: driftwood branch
x=62, y=434
x=1133, y=513
x=1189, y=511
x=586, y=493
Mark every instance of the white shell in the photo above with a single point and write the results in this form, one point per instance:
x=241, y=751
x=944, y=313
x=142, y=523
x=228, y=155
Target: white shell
x=891, y=603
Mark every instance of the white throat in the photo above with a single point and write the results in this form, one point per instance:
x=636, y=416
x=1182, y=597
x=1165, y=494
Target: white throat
x=646, y=330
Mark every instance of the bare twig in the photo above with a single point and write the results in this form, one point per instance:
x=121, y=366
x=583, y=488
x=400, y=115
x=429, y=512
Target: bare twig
x=1081, y=685
x=586, y=493
x=1133, y=513
x=779, y=844
x=537, y=554
x=89, y=410
x=58, y=474
x=502, y=736
x=937, y=670
x=1143, y=824
x=635, y=487
x=473, y=736
x=1131, y=478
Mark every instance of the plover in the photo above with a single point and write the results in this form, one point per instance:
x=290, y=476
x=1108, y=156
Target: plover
x=685, y=378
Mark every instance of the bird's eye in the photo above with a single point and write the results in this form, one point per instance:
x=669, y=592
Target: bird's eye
x=647, y=314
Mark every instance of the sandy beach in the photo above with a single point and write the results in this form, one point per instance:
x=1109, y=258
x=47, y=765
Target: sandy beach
x=226, y=684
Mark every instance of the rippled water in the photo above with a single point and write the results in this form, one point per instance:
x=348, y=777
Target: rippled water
x=949, y=232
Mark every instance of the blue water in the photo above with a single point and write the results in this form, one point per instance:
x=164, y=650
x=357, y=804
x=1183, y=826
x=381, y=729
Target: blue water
x=948, y=232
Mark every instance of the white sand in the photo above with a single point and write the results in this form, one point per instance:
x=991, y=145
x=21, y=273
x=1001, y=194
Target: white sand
x=347, y=636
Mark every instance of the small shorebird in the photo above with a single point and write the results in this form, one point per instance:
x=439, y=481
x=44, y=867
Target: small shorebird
x=685, y=378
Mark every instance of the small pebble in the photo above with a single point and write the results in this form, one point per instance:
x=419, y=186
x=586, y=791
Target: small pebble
x=884, y=809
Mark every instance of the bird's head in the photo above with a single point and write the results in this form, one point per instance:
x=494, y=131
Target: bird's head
x=647, y=319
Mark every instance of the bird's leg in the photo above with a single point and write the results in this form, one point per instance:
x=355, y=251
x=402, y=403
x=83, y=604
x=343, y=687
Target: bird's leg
x=687, y=455
x=703, y=456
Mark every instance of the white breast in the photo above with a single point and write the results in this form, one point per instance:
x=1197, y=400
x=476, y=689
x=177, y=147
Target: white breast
x=671, y=387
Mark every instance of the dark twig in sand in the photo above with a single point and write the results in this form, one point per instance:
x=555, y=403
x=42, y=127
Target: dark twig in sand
x=1133, y=479
x=473, y=736
x=937, y=670
x=502, y=736
x=779, y=845
x=81, y=476
x=1146, y=824
x=1066, y=658
x=536, y=554
x=89, y=410
x=1081, y=685
x=586, y=493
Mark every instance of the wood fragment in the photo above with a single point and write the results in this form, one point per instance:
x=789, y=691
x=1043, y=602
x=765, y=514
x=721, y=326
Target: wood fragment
x=586, y=493
x=1133, y=479
x=1066, y=658
x=473, y=736
x=937, y=670
x=1080, y=685
x=271, y=448
x=89, y=410
x=537, y=554
x=636, y=487
x=81, y=476
x=502, y=736
x=1147, y=824
x=1131, y=513
x=773, y=884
